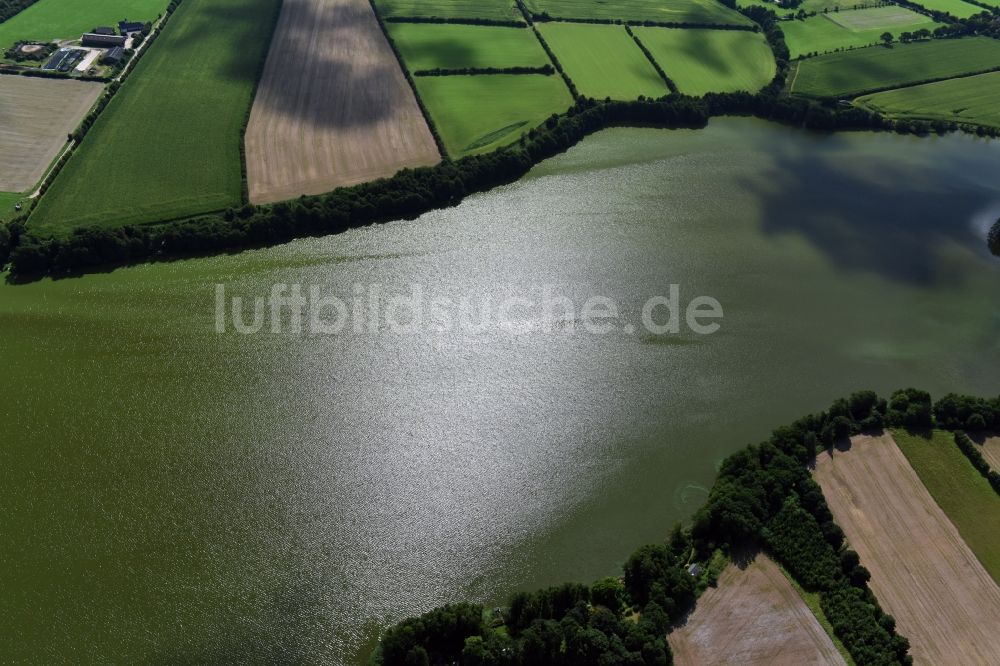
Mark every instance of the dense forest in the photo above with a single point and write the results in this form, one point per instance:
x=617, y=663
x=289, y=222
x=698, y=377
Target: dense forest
x=764, y=497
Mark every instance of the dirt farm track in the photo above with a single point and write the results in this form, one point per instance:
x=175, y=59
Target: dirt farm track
x=333, y=107
x=35, y=116
x=754, y=617
x=923, y=573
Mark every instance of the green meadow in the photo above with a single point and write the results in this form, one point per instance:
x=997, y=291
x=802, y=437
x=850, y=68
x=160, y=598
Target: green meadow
x=970, y=99
x=498, y=10
x=702, y=61
x=854, y=72
x=168, y=144
x=957, y=8
x=850, y=29
x=961, y=492
x=603, y=60
x=665, y=11
x=452, y=46
x=476, y=114
x=7, y=201
x=50, y=20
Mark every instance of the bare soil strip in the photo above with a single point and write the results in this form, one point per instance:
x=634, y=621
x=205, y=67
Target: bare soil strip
x=923, y=573
x=36, y=115
x=753, y=616
x=333, y=107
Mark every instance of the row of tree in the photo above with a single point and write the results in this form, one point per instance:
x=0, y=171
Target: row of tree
x=9, y=8
x=975, y=456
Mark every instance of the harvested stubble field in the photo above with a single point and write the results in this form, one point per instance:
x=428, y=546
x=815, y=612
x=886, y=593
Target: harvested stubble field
x=451, y=46
x=753, y=617
x=923, y=573
x=49, y=20
x=850, y=29
x=35, y=117
x=991, y=451
x=497, y=10
x=970, y=99
x=853, y=72
x=703, y=61
x=333, y=107
x=663, y=11
x=475, y=114
x=168, y=144
x=603, y=61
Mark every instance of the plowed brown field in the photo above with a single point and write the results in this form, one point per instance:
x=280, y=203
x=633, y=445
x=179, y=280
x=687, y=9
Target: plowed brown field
x=754, y=616
x=333, y=107
x=35, y=116
x=923, y=573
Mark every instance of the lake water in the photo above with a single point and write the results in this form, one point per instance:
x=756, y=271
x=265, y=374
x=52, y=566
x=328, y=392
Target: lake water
x=172, y=495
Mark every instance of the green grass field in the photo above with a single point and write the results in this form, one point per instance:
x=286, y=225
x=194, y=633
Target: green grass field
x=498, y=10
x=850, y=29
x=475, y=114
x=428, y=46
x=7, y=201
x=603, y=61
x=168, y=145
x=49, y=20
x=956, y=8
x=666, y=11
x=971, y=99
x=961, y=492
x=853, y=72
x=701, y=61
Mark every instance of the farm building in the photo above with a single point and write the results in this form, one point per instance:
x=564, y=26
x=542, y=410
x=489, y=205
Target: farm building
x=107, y=41
x=127, y=27
x=103, y=31
x=113, y=56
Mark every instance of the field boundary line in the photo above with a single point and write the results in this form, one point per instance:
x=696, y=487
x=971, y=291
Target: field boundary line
x=649, y=56
x=529, y=17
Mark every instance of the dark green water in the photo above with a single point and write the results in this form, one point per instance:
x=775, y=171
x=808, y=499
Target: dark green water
x=172, y=495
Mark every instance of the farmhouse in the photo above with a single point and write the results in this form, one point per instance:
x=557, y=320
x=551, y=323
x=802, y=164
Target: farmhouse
x=94, y=39
x=128, y=27
x=113, y=56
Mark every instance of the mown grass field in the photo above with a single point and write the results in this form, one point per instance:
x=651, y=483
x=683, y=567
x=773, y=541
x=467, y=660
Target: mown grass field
x=475, y=114
x=7, y=201
x=961, y=492
x=854, y=72
x=971, y=99
x=49, y=20
x=168, y=144
x=429, y=46
x=702, y=61
x=603, y=61
x=499, y=10
x=809, y=6
x=850, y=29
x=666, y=11
x=956, y=8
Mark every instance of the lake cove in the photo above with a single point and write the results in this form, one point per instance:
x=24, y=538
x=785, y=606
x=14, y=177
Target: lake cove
x=205, y=497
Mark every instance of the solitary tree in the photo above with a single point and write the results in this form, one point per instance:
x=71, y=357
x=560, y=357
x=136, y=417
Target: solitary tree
x=886, y=38
x=994, y=238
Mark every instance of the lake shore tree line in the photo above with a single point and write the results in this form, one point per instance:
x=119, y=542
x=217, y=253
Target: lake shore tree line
x=412, y=192
x=763, y=498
